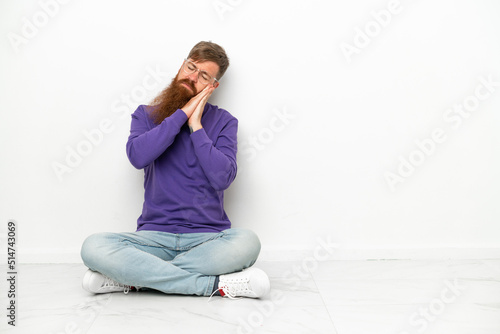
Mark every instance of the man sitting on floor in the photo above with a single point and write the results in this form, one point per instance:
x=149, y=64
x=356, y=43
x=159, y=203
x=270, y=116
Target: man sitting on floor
x=184, y=243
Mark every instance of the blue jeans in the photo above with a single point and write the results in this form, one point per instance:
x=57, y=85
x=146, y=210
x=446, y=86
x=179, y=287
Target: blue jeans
x=186, y=263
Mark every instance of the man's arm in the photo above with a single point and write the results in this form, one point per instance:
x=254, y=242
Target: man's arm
x=144, y=145
x=218, y=160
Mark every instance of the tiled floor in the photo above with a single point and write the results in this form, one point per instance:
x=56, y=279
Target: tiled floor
x=344, y=297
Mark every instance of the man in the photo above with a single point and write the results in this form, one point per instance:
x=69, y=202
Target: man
x=184, y=243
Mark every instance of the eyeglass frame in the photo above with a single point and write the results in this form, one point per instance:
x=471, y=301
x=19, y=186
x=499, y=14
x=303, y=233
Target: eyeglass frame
x=198, y=70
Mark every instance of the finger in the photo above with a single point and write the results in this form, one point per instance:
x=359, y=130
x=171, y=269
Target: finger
x=201, y=105
x=210, y=90
x=198, y=98
x=205, y=98
x=207, y=95
x=206, y=92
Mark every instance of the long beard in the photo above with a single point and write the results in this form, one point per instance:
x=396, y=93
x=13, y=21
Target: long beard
x=174, y=97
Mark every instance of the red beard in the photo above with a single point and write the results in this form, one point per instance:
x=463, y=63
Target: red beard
x=174, y=97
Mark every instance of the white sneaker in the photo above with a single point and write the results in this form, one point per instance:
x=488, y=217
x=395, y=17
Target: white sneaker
x=251, y=283
x=96, y=282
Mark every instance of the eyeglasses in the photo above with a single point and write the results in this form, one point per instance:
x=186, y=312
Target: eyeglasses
x=189, y=68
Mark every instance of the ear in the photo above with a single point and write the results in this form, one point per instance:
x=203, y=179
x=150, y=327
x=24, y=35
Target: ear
x=216, y=84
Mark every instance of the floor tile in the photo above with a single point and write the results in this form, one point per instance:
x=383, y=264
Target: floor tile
x=392, y=291
x=416, y=318
x=344, y=297
x=144, y=311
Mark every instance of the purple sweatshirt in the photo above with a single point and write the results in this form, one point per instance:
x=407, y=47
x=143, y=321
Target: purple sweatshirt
x=185, y=173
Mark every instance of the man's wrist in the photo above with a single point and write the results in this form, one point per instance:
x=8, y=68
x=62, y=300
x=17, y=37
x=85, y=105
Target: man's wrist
x=194, y=127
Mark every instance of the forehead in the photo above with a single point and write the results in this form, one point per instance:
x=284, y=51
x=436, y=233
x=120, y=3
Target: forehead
x=206, y=65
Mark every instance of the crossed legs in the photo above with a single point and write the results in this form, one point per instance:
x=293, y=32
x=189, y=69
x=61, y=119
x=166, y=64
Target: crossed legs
x=185, y=263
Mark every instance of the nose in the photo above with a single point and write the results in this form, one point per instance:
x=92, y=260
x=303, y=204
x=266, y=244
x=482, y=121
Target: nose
x=193, y=76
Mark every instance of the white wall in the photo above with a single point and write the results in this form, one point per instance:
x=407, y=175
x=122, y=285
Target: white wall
x=325, y=113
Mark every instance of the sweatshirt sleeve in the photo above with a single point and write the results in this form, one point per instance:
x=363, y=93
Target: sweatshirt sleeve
x=144, y=145
x=218, y=160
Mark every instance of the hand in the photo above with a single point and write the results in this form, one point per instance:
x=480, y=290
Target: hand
x=196, y=106
x=193, y=103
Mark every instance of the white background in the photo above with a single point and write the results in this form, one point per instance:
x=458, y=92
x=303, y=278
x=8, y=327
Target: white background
x=317, y=172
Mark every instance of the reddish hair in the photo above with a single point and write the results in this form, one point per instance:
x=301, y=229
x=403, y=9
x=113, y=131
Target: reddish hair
x=208, y=51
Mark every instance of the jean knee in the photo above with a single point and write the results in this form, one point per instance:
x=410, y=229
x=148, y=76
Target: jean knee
x=90, y=252
x=254, y=242
x=248, y=243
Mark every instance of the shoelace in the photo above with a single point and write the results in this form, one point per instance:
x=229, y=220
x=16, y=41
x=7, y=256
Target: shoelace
x=233, y=289
x=236, y=288
x=109, y=283
x=226, y=293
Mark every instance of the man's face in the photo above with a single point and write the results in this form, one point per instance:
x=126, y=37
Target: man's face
x=209, y=67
